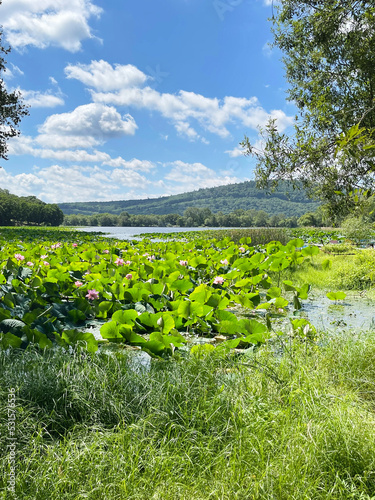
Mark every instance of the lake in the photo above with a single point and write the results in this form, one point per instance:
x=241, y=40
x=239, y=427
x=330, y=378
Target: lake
x=127, y=233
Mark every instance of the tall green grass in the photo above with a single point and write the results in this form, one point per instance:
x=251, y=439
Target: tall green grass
x=262, y=426
x=344, y=272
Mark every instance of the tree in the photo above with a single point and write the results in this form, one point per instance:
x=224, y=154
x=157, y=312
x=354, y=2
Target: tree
x=307, y=220
x=329, y=57
x=196, y=216
x=12, y=108
x=107, y=220
x=261, y=219
x=53, y=215
x=357, y=229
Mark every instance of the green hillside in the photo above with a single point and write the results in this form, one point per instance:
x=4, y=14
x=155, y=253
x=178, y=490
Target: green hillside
x=223, y=198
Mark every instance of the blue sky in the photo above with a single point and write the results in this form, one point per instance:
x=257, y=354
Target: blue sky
x=138, y=99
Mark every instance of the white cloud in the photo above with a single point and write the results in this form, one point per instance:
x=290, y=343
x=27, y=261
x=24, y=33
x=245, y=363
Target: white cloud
x=184, y=129
x=282, y=120
x=86, y=126
x=59, y=141
x=184, y=109
x=25, y=145
x=212, y=114
x=56, y=184
x=20, y=184
x=184, y=177
x=43, y=23
x=8, y=73
x=102, y=76
x=234, y=153
x=133, y=165
x=76, y=183
x=37, y=99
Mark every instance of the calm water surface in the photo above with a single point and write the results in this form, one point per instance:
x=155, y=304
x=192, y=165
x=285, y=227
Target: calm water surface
x=127, y=233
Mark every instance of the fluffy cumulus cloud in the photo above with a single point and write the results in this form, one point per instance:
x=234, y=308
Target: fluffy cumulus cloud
x=43, y=23
x=72, y=138
x=26, y=145
x=124, y=86
x=57, y=184
x=86, y=126
x=184, y=177
x=21, y=184
x=100, y=75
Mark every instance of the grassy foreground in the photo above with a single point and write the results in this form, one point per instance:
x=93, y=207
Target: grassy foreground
x=258, y=426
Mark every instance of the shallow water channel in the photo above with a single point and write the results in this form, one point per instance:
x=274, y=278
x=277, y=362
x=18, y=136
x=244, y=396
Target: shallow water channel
x=355, y=312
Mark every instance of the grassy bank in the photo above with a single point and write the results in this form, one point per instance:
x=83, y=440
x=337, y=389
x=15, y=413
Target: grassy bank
x=261, y=426
x=353, y=270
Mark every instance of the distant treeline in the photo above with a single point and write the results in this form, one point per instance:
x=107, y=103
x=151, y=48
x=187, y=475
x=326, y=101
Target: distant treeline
x=227, y=199
x=194, y=217
x=27, y=210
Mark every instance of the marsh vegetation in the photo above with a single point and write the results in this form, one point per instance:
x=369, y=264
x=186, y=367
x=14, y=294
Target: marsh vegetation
x=249, y=411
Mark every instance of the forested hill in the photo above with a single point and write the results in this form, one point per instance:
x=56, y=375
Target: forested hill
x=226, y=199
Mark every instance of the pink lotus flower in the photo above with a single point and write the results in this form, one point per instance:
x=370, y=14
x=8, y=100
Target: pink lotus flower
x=92, y=294
x=19, y=257
x=74, y=245
x=56, y=245
x=183, y=262
x=128, y=262
x=43, y=256
x=78, y=283
x=224, y=262
x=218, y=280
x=119, y=262
x=106, y=250
x=242, y=249
x=129, y=276
x=30, y=263
x=46, y=263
